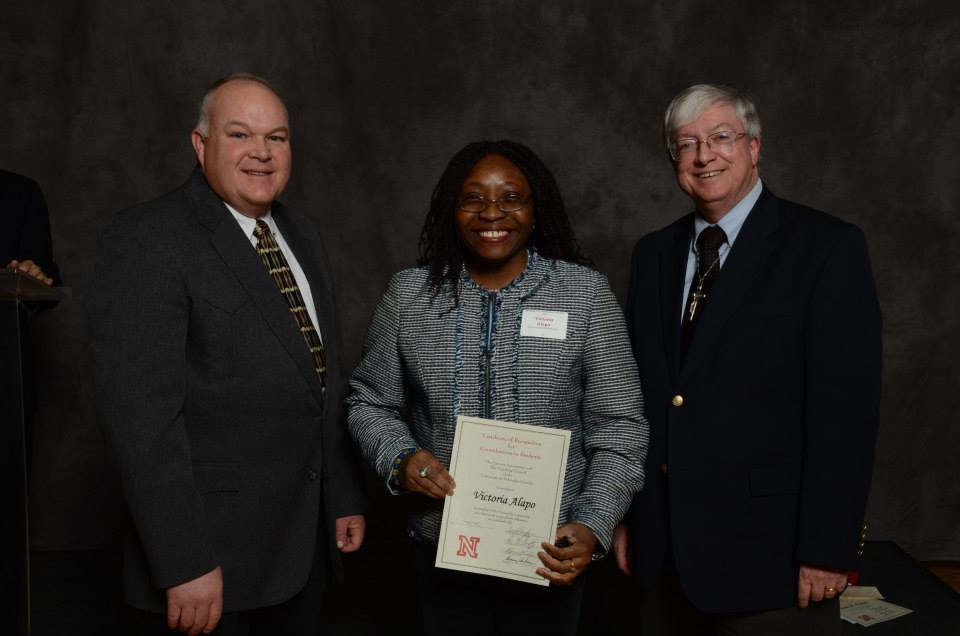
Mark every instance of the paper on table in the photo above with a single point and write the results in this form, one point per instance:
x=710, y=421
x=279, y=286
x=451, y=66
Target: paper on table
x=853, y=592
x=870, y=611
x=864, y=605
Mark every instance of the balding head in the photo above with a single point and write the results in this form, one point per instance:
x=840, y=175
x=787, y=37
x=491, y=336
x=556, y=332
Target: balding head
x=203, y=115
x=242, y=141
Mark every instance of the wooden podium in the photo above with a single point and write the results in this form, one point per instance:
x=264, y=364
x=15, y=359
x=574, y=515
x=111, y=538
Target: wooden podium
x=18, y=295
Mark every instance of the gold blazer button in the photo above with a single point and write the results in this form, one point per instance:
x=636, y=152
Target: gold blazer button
x=677, y=400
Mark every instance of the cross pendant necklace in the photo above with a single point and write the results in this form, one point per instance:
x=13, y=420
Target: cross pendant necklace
x=695, y=299
x=698, y=294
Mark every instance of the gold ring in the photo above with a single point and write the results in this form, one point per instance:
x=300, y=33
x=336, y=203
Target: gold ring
x=573, y=568
x=830, y=590
x=424, y=471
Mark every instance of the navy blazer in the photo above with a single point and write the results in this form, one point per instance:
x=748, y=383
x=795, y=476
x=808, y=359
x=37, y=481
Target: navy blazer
x=210, y=404
x=762, y=440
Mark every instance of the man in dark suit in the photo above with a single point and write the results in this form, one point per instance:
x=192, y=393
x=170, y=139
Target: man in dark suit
x=25, y=242
x=219, y=376
x=756, y=329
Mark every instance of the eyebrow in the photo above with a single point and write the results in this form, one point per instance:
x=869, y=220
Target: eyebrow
x=681, y=135
x=475, y=183
x=233, y=122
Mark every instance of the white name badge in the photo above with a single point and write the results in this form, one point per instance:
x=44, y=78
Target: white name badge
x=537, y=323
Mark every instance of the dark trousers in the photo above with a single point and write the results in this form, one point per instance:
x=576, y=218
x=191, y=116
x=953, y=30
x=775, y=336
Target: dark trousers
x=463, y=603
x=302, y=615
x=665, y=610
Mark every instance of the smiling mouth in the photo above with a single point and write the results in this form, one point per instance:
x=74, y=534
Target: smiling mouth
x=709, y=175
x=257, y=173
x=493, y=234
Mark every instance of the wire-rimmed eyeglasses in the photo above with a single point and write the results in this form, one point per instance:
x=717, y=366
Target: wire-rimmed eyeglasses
x=721, y=141
x=509, y=202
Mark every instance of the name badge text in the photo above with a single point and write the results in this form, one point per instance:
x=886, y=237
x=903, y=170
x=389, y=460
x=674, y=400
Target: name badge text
x=537, y=323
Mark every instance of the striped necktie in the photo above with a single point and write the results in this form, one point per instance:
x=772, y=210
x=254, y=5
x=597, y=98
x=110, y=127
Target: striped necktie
x=279, y=270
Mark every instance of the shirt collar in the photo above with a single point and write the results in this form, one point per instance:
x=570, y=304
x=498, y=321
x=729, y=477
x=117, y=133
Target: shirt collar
x=733, y=220
x=249, y=224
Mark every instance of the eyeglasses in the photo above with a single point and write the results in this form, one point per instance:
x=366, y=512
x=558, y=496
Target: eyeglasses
x=721, y=142
x=509, y=202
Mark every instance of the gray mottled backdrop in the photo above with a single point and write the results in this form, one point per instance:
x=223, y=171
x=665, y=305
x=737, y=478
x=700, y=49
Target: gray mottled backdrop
x=860, y=112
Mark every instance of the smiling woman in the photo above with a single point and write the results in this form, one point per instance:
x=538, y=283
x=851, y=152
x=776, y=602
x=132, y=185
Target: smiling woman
x=518, y=173
x=446, y=340
x=494, y=221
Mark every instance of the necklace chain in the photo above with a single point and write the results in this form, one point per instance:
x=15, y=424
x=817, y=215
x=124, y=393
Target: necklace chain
x=698, y=296
x=703, y=276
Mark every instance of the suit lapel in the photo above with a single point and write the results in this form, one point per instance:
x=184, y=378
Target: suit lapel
x=238, y=255
x=673, y=264
x=743, y=265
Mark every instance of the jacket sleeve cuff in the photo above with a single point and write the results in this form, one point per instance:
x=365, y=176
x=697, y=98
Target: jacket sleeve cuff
x=393, y=478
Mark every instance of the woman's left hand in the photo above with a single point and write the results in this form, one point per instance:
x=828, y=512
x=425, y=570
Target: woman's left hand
x=569, y=555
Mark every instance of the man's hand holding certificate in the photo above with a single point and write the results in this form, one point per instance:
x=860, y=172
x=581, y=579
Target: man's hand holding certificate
x=502, y=519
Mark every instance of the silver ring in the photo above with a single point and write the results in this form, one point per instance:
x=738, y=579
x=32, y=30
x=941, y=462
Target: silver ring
x=424, y=471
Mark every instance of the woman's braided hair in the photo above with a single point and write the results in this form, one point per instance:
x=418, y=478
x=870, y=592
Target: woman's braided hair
x=441, y=250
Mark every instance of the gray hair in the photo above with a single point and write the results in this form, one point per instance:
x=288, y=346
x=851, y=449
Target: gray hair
x=203, y=116
x=691, y=102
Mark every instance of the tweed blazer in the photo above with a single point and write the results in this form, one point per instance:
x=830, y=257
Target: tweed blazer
x=422, y=366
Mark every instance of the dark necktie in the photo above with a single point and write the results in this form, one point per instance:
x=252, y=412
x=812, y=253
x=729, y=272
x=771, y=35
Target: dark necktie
x=708, y=267
x=279, y=270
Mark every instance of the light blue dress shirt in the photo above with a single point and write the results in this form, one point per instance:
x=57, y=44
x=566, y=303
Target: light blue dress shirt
x=731, y=223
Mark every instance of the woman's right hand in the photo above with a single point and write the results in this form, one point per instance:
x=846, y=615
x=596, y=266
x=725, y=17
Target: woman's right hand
x=422, y=472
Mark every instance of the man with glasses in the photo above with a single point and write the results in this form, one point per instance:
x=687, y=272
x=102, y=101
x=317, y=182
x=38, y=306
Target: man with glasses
x=756, y=328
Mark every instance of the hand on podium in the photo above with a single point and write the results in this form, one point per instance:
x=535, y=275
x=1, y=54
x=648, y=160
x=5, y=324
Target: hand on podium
x=30, y=268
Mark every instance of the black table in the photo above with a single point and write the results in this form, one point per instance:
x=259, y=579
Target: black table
x=904, y=582
x=610, y=597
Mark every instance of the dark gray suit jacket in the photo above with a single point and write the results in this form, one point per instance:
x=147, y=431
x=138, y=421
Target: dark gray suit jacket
x=210, y=404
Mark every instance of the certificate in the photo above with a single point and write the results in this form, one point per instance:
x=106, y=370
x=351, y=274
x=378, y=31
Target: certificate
x=507, y=500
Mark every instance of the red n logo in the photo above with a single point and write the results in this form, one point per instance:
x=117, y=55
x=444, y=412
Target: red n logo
x=468, y=546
